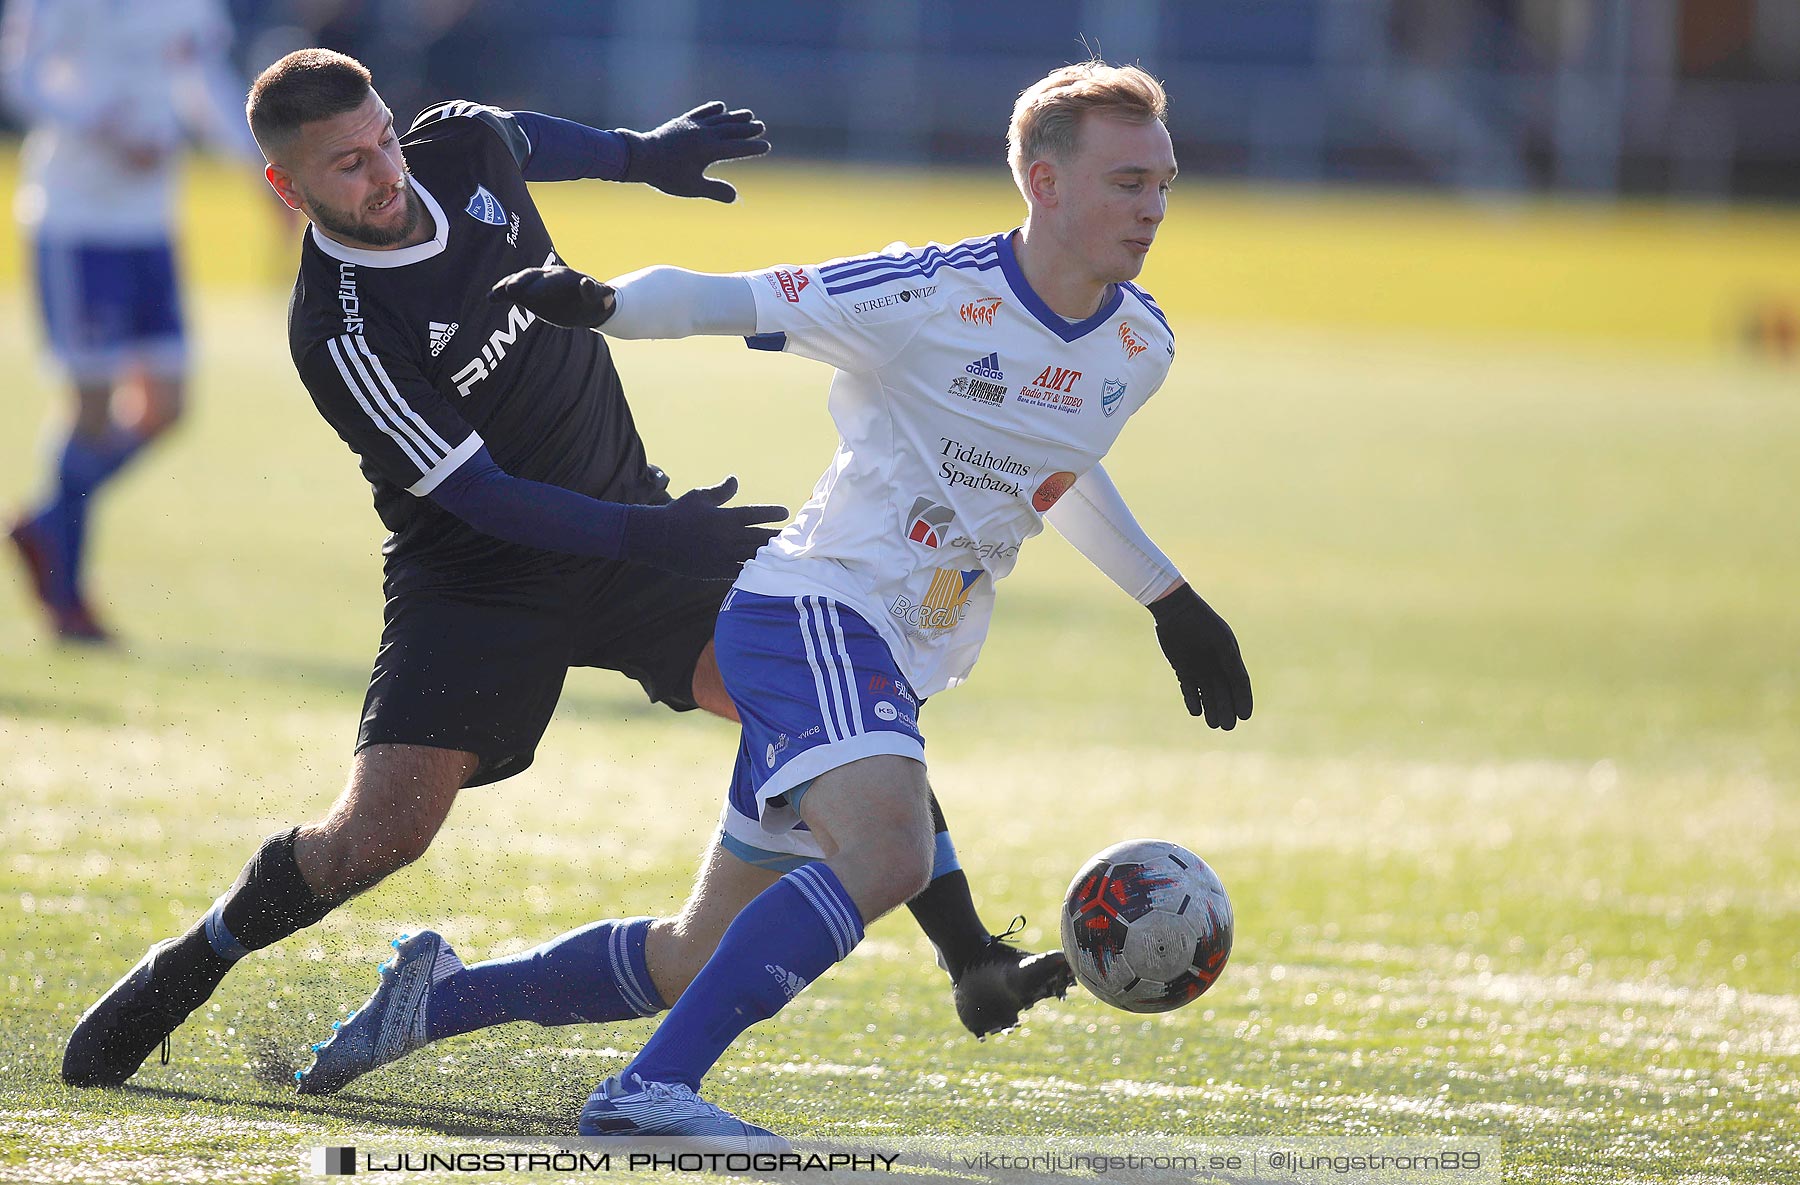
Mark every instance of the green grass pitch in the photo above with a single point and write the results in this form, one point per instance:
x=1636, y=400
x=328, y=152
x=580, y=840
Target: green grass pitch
x=1513, y=838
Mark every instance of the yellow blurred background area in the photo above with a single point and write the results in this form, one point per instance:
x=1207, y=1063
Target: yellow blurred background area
x=1682, y=278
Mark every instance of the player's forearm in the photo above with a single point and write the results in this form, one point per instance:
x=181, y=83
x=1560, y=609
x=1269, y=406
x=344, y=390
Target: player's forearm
x=1094, y=518
x=531, y=513
x=563, y=150
x=674, y=302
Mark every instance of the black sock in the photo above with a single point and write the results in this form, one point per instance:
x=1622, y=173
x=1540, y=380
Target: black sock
x=945, y=910
x=268, y=901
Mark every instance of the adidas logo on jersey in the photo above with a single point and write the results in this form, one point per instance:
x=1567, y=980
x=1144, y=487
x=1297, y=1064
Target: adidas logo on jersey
x=441, y=335
x=791, y=985
x=987, y=368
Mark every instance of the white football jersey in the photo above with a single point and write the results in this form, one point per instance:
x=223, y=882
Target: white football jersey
x=152, y=70
x=965, y=408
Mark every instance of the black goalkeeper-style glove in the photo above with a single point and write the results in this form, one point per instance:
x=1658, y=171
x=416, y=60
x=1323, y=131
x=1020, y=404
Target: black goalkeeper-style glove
x=697, y=534
x=674, y=157
x=560, y=295
x=1204, y=653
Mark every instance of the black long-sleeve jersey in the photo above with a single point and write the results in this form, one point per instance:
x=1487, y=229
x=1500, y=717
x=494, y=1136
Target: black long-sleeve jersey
x=406, y=358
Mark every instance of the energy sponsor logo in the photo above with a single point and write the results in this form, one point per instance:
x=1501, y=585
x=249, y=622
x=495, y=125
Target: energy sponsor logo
x=1134, y=345
x=980, y=390
x=893, y=298
x=789, y=283
x=1054, y=388
x=927, y=522
x=1052, y=488
x=980, y=312
x=485, y=207
x=1112, y=395
x=945, y=603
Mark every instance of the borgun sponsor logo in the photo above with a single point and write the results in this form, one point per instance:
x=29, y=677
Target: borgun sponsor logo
x=348, y=299
x=945, y=603
x=901, y=297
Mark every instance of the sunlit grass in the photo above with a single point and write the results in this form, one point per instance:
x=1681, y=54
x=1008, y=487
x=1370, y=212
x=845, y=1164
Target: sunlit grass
x=1513, y=838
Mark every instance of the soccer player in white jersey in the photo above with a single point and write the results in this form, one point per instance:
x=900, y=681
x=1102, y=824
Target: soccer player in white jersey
x=109, y=89
x=978, y=386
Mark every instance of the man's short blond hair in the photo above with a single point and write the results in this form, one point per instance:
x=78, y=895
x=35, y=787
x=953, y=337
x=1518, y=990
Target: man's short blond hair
x=1046, y=121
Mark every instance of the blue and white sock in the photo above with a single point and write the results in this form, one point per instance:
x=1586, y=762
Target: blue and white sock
x=597, y=973
x=788, y=936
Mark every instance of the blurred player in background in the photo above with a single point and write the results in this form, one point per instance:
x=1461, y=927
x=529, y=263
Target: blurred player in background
x=110, y=89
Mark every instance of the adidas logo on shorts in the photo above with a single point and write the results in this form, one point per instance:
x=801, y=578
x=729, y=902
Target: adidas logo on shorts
x=441, y=335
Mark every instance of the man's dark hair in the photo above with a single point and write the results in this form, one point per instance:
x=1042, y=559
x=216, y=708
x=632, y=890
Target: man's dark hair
x=307, y=85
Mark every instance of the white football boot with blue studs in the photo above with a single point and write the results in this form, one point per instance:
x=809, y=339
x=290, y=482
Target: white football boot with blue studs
x=391, y=1025
x=624, y=1108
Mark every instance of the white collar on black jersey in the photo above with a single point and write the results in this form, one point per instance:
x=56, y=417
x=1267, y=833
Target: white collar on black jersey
x=416, y=253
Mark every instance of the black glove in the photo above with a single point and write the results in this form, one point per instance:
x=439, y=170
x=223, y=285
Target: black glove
x=1204, y=653
x=560, y=295
x=674, y=157
x=697, y=534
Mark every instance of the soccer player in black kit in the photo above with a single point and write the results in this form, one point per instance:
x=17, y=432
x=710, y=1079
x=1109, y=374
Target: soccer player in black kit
x=529, y=534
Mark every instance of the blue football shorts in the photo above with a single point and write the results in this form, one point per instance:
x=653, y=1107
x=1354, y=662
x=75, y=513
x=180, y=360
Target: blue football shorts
x=105, y=305
x=816, y=688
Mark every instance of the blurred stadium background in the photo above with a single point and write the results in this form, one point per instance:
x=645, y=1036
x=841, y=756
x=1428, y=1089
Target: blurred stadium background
x=1483, y=435
x=1664, y=128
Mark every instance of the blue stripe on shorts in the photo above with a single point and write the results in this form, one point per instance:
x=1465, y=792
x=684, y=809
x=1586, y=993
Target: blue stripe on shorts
x=816, y=688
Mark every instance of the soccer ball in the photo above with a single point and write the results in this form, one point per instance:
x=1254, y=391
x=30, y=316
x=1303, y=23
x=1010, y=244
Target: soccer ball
x=1147, y=926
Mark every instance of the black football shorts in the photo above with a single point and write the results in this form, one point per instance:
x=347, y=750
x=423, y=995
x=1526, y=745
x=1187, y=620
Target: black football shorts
x=476, y=663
